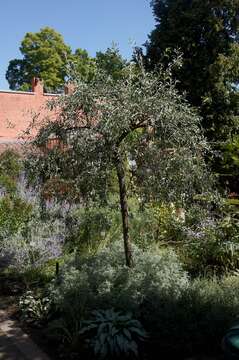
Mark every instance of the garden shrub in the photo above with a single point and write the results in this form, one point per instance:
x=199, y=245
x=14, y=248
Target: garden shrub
x=107, y=281
x=14, y=213
x=212, y=246
x=10, y=171
x=197, y=214
x=90, y=227
x=156, y=223
x=194, y=323
x=166, y=224
x=102, y=281
x=7, y=184
x=32, y=247
x=10, y=164
x=181, y=316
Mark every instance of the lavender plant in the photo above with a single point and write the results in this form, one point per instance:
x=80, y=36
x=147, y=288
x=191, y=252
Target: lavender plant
x=40, y=242
x=32, y=240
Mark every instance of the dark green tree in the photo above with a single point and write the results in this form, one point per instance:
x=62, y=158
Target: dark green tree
x=207, y=34
x=111, y=62
x=17, y=75
x=84, y=67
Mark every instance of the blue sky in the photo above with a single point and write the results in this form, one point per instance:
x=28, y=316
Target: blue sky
x=89, y=24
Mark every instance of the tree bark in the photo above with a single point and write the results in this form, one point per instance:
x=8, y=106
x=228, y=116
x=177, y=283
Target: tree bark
x=124, y=209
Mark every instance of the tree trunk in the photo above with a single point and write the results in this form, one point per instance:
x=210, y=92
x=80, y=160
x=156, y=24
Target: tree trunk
x=124, y=209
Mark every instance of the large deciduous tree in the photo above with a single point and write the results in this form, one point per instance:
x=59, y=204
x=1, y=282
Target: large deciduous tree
x=138, y=122
x=207, y=34
x=45, y=55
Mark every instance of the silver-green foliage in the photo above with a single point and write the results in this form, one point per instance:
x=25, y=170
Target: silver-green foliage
x=139, y=119
x=104, y=281
x=143, y=118
x=39, y=242
x=114, y=334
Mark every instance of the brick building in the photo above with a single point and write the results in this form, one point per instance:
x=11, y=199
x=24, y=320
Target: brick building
x=17, y=110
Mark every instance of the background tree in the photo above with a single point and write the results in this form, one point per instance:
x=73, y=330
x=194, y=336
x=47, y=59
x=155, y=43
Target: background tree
x=45, y=55
x=84, y=65
x=207, y=34
x=17, y=75
x=111, y=62
x=140, y=122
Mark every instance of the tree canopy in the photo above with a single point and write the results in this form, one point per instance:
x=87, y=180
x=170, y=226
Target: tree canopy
x=84, y=65
x=111, y=62
x=139, y=122
x=45, y=55
x=207, y=34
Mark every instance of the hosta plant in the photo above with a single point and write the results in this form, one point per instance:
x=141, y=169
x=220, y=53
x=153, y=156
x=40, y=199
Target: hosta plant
x=34, y=309
x=113, y=334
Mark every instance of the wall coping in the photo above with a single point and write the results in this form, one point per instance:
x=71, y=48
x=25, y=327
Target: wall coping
x=26, y=93
x=49, y=94
x=11, y=141
x=17, y=92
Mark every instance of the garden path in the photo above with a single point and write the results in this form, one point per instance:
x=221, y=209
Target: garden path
x=14, y=343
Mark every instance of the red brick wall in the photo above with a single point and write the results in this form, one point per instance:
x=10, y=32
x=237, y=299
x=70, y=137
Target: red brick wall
x=17, y=110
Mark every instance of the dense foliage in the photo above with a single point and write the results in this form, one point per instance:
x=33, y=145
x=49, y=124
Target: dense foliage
x=48, y=57
x=206, y=32
x=111, y=62
x=44, y=55
x=138, y=124
x=131, y=162
x=182, y=317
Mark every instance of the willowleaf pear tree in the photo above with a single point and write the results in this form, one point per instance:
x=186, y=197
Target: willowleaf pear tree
x=140, y=120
